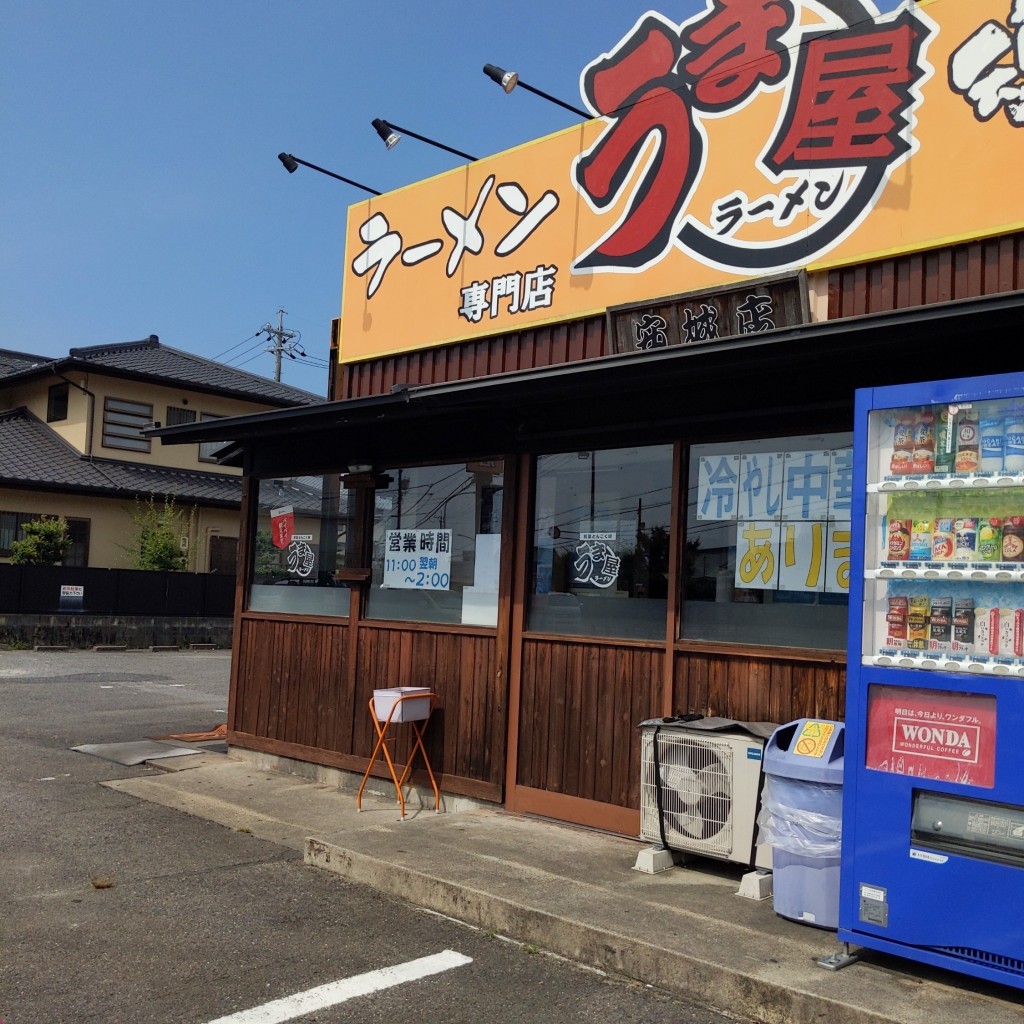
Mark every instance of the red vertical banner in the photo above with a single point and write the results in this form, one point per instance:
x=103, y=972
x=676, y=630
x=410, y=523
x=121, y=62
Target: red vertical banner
x=282, y=525
x=932, y=734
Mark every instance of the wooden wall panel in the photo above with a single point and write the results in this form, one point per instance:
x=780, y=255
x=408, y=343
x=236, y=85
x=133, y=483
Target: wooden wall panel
x=294, y=699
x=581, y=705
x=966, y=271
x=466, y=736
x=757, y=689
x=549, y=345
x=290, y=681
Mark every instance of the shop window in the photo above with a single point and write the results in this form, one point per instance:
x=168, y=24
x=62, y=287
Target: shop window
x=437, y=544
x=123, y=423
x=300, y=544
x=57, y=403
x=601, y=543
x=767, y=547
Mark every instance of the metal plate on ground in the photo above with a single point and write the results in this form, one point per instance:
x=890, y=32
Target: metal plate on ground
x=136, y=751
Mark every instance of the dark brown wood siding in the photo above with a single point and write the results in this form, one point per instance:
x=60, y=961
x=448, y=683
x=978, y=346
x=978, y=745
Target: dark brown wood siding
x=581, y=705
x=757, y=688
x=290, y=683
x=294, y=697
x=549, y=345
x=966, y=271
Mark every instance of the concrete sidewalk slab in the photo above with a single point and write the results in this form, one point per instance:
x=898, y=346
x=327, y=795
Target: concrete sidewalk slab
x=575, y=892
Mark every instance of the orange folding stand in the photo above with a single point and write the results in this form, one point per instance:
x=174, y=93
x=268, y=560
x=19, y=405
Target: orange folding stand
x=400, y=708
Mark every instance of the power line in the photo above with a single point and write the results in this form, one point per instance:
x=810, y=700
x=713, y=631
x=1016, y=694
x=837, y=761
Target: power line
x=233, y=347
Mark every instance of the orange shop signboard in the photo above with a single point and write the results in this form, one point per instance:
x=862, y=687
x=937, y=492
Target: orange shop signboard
x=756, y=137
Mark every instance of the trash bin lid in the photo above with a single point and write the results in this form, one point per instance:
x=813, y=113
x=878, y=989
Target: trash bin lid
x=809, y=749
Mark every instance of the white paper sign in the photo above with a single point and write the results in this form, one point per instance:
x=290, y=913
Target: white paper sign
x=418, y=559
x=717, y=480
x=805, y=490
x=760, y=485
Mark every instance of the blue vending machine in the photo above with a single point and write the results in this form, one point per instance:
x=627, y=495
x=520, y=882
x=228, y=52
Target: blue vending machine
x=932, y=862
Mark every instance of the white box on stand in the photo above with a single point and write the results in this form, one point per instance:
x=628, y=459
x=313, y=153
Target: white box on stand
x=414, y=710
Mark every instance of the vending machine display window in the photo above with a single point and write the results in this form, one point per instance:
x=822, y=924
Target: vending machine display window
x=944, y=537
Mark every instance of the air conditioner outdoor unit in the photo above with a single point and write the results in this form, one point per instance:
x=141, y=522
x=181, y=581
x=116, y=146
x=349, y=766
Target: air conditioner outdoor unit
x=699, y=792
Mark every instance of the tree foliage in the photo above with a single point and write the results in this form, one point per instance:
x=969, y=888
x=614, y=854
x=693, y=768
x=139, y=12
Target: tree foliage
x=159, y=529
x=45, y=541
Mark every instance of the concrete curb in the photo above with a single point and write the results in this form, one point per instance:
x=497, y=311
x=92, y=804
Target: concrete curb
x=719, y=987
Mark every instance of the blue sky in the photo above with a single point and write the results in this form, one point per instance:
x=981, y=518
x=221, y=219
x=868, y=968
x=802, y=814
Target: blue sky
x=140, y=191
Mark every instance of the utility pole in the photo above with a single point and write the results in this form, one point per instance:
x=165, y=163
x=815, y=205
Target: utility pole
x=282, y=342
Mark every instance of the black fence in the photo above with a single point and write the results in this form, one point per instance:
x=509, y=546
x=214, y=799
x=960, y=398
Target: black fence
x=55, y=589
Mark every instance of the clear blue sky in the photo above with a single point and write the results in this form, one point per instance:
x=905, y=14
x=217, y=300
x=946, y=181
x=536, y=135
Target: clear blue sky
x=140, y=191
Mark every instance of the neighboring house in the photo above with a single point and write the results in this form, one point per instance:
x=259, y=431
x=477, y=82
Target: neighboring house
x=72, y=444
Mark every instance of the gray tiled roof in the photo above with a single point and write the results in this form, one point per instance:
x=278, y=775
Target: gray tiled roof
x=20, y=362
x=34, y=457
x=149, y=360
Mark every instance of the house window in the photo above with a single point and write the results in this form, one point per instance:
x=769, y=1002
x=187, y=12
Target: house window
x=437, y=544
x=11, y=524
x=601, y=527
x=767, y=554
x=208, y=449
x=123, y=422
x=10, y=529
x=177, y=415
x=57, y=403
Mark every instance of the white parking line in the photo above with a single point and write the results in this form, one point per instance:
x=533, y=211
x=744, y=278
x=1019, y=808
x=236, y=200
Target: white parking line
x=349, y=988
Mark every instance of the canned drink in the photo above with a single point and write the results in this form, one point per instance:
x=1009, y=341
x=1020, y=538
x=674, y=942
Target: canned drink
x=902, y=460
x=991, y=444
x=1013, y=539
x=918, y=612
x=1007, y=633
x=940, y=624
x=990, y=540
x=896, y=622
x=944, y=438
x=921, y=533
x=1013, y=443
x=963, y=625
x=968, y=450
x=943, y=540
x=986, y=630
x=898, y=544
x=965, y=545
x=923, y=457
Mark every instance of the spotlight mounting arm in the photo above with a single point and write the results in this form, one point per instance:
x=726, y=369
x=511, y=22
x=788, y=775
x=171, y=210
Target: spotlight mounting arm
x=508, y=80
x=292, y=162
x=390, y=134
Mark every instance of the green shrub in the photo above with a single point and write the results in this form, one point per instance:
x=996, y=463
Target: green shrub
x=44, y=541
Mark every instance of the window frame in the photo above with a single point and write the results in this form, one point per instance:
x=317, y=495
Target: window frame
x=632, y=607
x=57, y=400
x=123, y=422
x=208, y=449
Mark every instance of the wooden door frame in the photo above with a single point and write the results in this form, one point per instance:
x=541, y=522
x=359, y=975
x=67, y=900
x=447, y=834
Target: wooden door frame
x=525, y=799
